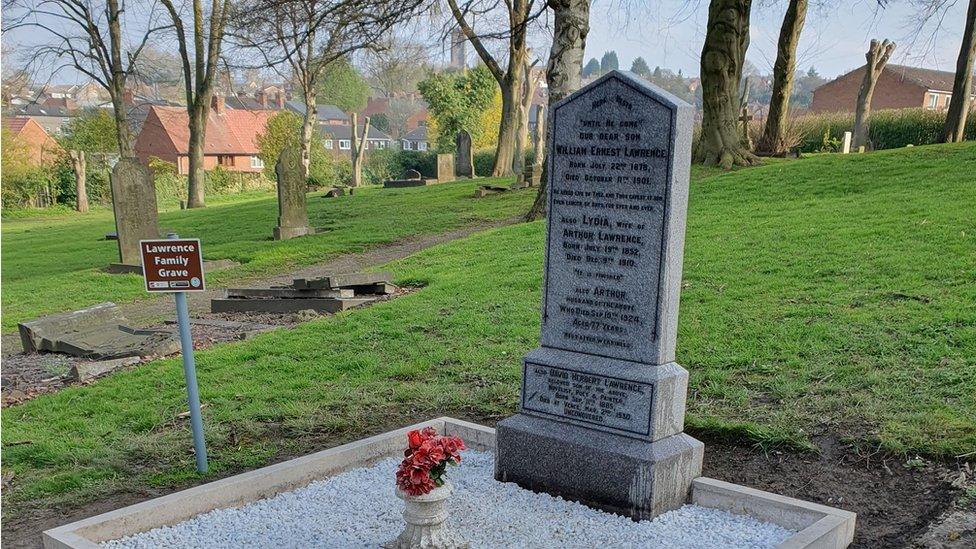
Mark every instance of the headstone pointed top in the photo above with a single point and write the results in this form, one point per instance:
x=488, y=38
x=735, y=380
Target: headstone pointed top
x=628, y=78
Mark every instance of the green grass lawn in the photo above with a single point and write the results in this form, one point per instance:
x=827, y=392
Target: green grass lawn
x=52, y=264
x=835, y=295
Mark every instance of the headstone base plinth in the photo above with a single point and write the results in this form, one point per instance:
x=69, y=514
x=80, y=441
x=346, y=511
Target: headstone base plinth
x=622, y=475
x=286, y=233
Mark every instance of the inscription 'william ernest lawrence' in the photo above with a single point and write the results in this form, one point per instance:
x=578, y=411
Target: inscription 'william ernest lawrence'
x=607, y=244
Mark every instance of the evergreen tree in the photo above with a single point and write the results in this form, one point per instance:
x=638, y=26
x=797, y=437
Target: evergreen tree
x=609, y=62
x=592, y=68
x=639, y=67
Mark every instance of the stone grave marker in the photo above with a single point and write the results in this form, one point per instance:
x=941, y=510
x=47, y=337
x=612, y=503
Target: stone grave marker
x=411, y=174
x=292, y=214
x=603, y=402
x=846, y=144
x=134, y=205
x=445, y=168
x=464, y=161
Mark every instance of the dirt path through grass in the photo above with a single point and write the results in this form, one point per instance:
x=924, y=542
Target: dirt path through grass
x=154, y=312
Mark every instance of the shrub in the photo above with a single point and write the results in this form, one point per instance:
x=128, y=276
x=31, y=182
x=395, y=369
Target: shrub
x=218, y=181
x=890, y=129
x=484, y=161
x=424, y=162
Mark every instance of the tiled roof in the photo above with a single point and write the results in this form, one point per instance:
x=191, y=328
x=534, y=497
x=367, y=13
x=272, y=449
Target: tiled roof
x=235, y=131
x=341, y=131
x=15, y=124
x=927, y=78
x=417, y=134
x=322, y=112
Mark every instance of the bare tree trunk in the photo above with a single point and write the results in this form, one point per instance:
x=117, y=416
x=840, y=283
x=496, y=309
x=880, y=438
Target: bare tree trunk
x=726, y=42
x=771, y=141
x=571, y=24
x=540, y=137
x=196, y=178
x=955, y=125
x=522, y=139
x=507, y=130
x=358, y=149
x=877, y=57
x=308, y=126
x=79, y=165
x=510, y=80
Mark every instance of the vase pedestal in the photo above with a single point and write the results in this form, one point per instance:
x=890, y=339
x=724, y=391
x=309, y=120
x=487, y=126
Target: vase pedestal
x=426, y=518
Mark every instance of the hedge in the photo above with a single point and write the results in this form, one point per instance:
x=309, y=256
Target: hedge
x=890, y=129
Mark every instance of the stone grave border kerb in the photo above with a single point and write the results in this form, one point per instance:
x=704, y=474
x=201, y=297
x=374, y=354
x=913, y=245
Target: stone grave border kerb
x=624, y=78
x=817, y=526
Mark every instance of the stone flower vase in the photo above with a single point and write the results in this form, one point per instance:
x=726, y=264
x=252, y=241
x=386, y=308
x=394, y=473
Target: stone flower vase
x=425, y=516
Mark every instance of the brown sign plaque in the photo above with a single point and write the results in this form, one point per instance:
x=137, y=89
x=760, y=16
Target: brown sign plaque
x=172, y=265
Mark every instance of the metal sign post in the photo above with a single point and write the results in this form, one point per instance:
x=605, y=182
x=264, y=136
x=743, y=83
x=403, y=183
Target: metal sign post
x=176, y=266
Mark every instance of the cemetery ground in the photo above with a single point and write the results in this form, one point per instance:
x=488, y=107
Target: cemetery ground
x=828, y=322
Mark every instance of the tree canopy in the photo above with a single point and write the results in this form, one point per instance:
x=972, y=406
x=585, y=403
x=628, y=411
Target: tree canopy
x=592, y=68
x=609, y=62
x=639, y=67
x=342, y=85
x=459, y=101
x=93, y=131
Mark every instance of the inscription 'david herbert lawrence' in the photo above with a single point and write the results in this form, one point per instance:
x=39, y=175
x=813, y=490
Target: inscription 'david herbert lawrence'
x=609, y=172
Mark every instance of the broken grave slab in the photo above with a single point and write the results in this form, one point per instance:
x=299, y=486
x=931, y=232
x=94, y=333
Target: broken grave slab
x=97, y=333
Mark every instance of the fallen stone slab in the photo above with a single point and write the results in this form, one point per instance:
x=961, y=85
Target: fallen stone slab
x=97, y=333
x=341, y=281
x=286, y=293
x=85, y=371
x=401, y=183
x=334, y=192
x=381, y=288
x=321, y=305
x=485, y=190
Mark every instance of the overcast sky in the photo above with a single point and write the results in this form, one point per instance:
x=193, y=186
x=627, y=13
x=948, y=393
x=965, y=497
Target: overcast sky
x=669, y=33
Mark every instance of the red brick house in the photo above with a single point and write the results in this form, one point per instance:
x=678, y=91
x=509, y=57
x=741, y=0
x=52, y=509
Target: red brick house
x=898, y=87
x=40, y=147
x=231, y=140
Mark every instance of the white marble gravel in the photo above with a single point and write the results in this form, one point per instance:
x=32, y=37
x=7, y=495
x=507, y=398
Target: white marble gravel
x=359, y=509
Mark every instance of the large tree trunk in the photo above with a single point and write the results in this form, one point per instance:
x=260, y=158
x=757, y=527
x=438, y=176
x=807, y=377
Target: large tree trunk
x=308, y=126
x=79, y=165
x=771, y=141
x=877, y=57
x=955, y=125
x=571, y=24
x=507, y=130
x=726, y=42
x=196, y=177
x=358, y=149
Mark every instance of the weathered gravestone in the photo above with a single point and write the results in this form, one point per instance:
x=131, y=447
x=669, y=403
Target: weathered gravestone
x=603, y=402
x=134, y=205
x=292, y=215
x=445, y=168
x=411, y=175
x=464, y=161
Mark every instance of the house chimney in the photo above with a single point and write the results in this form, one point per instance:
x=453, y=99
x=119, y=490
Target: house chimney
x=262, y=97
x=280, y=100
x=217, y=104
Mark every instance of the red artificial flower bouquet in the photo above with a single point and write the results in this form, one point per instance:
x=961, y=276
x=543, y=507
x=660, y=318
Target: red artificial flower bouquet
x=426, y=457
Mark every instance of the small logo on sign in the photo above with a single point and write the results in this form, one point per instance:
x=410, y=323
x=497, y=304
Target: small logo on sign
x=159, y=284
x=195, y=282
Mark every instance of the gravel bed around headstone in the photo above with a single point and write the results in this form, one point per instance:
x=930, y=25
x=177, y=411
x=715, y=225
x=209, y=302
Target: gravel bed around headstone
x=359, y=509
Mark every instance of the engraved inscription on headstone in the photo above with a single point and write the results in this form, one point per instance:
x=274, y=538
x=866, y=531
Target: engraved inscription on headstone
x=292, y=214
x=609, y=402
x=602, y=393
x=610, y=171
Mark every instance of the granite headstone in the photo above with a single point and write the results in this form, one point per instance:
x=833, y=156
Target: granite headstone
x=134, y=205
x=603, y=402
x=292, y=214
x=463, y=161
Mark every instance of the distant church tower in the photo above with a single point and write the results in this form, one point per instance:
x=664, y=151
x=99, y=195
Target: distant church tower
x=459, y=52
